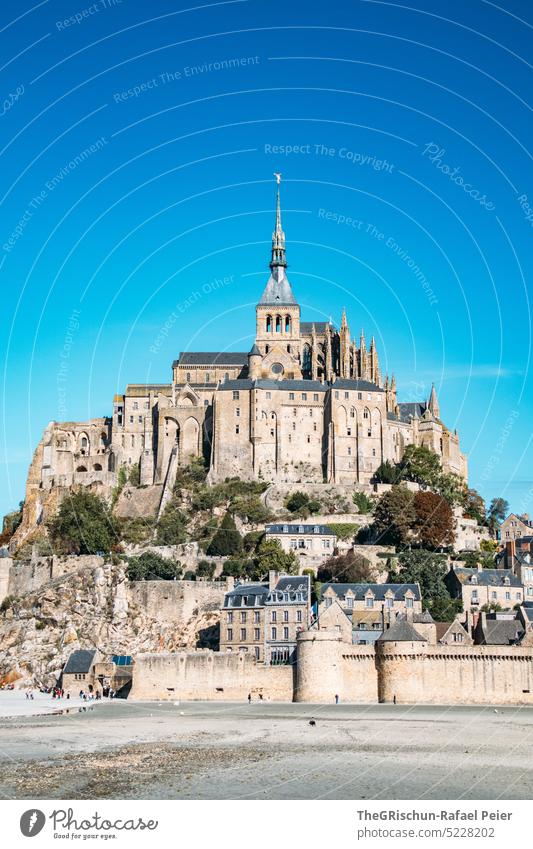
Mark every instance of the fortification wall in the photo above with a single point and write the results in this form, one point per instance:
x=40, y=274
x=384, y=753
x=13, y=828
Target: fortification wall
x=210, y=676
x=455, y=675
x=175, y=602
x=29, y=575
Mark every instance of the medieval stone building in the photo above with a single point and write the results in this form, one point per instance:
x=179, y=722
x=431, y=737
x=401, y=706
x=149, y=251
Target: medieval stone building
x=307, y=403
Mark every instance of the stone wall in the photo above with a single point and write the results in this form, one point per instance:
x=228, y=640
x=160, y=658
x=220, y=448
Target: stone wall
x=29, y=575
x=206, y=675
x=176, y=602
x=5, y=569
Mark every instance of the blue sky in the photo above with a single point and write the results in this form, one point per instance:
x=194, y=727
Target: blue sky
x=137, y=150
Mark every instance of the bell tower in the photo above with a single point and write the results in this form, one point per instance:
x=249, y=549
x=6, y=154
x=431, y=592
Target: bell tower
x=278, y=313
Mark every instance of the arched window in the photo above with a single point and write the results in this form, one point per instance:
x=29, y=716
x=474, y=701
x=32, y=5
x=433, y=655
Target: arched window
x=97, y=467
x=306, y=359
x=287, y=324
x=269, y=324
x=278, y=324
x=81, y=469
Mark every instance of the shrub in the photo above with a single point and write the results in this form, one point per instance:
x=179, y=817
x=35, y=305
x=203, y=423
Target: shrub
x=135, y=531
x=251, y=540
x=363, y=503
x=189, y=576
x=233, y=568
x=227, y=539
x=7, y=603
x=343, y=530
x=386, y=472
x=348, y=568
x=171, y=529
x=83, y=525
x=150, y=566
x=206, y=569
x=134, y=477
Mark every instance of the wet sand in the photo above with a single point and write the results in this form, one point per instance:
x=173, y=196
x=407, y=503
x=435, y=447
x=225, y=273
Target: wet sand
x=198, y=750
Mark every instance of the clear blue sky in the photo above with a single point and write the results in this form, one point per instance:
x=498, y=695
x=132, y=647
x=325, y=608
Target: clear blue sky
x=137, y=151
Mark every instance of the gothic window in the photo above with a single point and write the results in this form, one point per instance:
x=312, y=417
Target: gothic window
x=288, y=349
x=269, y=324
x=366, y=414
x=188, y=377
x=306, y=359
x=352, y=413
x=287, y=324
x=278, y=324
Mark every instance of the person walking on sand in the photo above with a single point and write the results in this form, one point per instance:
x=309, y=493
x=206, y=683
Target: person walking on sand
x=336, y=699
x=249, y=698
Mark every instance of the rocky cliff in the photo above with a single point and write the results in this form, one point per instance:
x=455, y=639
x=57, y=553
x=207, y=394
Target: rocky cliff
x=98, y=607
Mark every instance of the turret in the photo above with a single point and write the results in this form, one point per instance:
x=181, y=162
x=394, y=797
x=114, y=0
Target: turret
x=254, y=363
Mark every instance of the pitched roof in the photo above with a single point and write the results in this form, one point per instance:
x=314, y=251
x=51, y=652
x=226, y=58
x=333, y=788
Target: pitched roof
x=203, y=358
x=281, y=385
x=363, y=385
x=278, y=290
x=401, y=632
x=80, y=661
x=412, y=409
x=500, y=632
x=442, y=629
x=486, y=577
x=318, y=530
x=379, y=590
x=236, y=597
x=306, y=327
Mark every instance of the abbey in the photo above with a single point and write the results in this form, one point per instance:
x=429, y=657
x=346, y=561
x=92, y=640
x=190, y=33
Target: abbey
x=307, y=403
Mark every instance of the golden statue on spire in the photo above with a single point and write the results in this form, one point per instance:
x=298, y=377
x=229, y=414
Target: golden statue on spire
x=277, y=175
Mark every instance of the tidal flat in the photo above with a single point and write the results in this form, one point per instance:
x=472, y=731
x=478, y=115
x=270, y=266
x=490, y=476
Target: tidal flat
x=206, y=750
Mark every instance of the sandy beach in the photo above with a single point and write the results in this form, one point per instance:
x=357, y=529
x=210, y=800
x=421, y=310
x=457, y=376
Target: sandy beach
x=198, y=750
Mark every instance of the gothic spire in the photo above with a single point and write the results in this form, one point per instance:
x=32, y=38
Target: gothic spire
x=278, y=236
x=433, y=403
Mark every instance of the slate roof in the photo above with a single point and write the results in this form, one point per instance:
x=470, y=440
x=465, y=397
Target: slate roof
x=362, y=385
x=401, y=632
x=306, y=327
x=80, y=661
x=202, y=358
x=528, y=612
x=417, y=408
x=278, y=292
x=235, y=598
x=486, y=577
x=289, y=584
x=379, y=590
x=283, y=385
x=500, y=632
x=284, y=528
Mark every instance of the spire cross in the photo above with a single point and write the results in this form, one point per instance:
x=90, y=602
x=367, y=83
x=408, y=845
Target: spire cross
x=278, y=236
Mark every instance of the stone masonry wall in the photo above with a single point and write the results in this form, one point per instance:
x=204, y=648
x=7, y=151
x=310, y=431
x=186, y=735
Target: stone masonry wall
x=208, y=676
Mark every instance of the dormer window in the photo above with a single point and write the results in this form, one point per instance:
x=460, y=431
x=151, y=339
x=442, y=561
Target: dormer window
x=506, y=581
x=474, y=579
x=285, y=529
x=316, y=529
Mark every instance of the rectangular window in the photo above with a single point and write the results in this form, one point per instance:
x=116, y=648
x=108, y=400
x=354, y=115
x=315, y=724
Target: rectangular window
x=237, y=429
x=390, y=602
x=359, y=396
x=147, y=405
x=140, y=419
x=257, y=633
x=474, y=595
x=336, y=395
x=256, y=652
x=135, y=405
x=291, y=396
x=268, y=396
x=369, y=602
x=329, y=602
x=230, y=618
x=507, y=596
x=243, y=633
x=285, y=633
x=304, y=396
x=409, y=602
x=235, y=394
x=230, y=633
x=274, y=633
x=131, y=419
x=273, y=616
x=315, y=396
x=346, y=395
x=285, y=615
x=237, y=411
x=298, y=615
x=243, y=615
x=188, y=377
x=257, y=616
x=349, y=601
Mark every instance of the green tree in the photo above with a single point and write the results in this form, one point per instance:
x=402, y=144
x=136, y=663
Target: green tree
x=498, y=509
x=227, y=539
x=489, y=545
x=206, y=569
x=83, y=525
x=301, y=504
x=421, y=465
x=150, y=566
x=172, y=526
x=395, y=516
x=451, y=487
x=434, y=520
x=474, y=506
x=387, y=472
x=270, y=555
x=134, y=477
x=428, y=569
x=251, y=540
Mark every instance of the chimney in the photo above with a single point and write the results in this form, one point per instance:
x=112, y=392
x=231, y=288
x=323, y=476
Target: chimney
x=510, y=553
x=273, y=578
x=479, y=567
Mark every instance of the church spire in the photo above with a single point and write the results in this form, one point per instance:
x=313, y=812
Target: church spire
x=278, y=236
x=433, y=403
